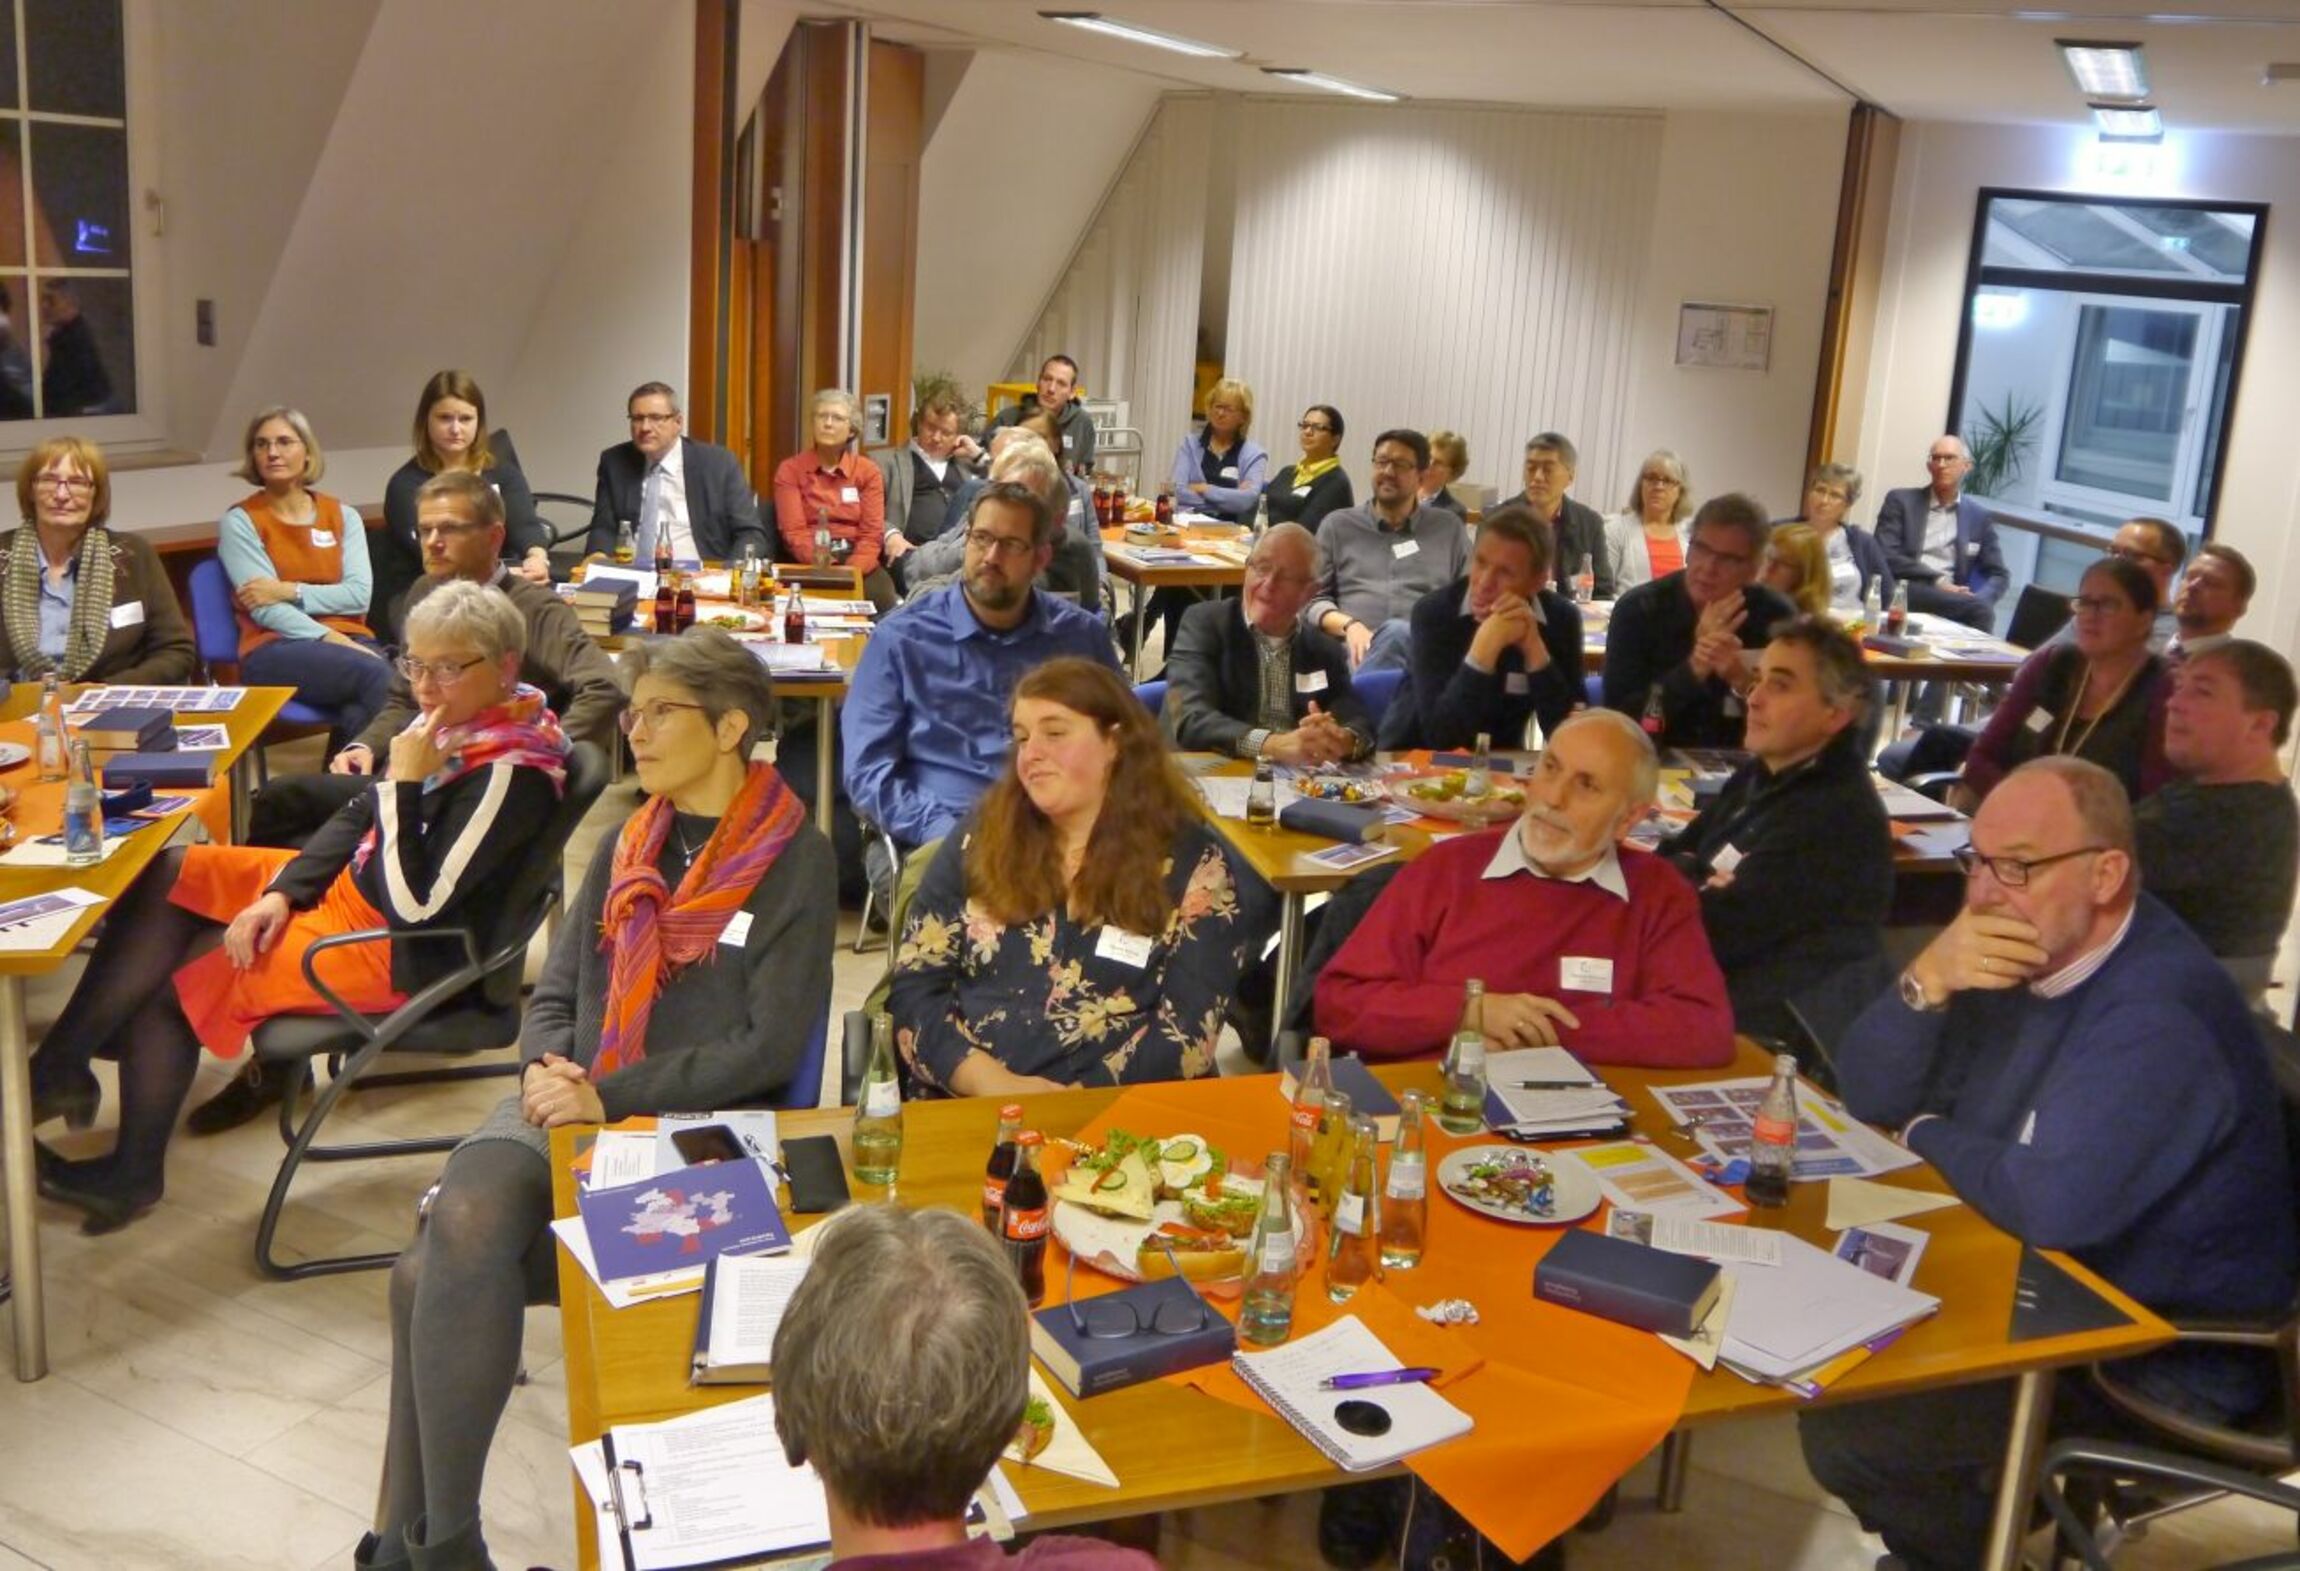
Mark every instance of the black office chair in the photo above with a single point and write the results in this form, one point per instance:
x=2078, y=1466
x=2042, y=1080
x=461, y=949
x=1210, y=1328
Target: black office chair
x=471, y=1010
x=2037, y=615
x=2101, y=1462
x=567, y=520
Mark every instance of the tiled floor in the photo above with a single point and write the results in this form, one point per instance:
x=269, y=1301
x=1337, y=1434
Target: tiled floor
x=201, y=1416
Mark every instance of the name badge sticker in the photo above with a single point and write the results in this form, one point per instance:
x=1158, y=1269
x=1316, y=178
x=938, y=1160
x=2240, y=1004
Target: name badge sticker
x=2039, y=721
x=1727, y=858
x=737, y=932
x=1128, y=949
x=1301, y=490
x=1516, y=684
x=2028, y=1128
x=1229, y=472
x=848, y=493
x=128, y=613
x=1585, y=974
x=1309, y=681
x=323, y=537
x=1406, y=548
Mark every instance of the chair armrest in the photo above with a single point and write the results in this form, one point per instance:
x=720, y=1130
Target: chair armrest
x=1934, y=784
x=2126, y=1459
x=2232, y=1333
x=454, y=982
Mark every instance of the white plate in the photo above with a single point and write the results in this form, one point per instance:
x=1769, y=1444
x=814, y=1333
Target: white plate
x=1108, y=1243
x=1573, y=1188
x=14, y=753
x=753, y=621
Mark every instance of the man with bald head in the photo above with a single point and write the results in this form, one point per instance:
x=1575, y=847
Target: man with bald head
x=1581, y=942
x=2084, y=1075
x=1250, y=678
x=1942, y=543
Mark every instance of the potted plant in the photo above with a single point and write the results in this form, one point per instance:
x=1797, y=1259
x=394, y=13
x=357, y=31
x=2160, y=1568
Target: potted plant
x=2000, y=441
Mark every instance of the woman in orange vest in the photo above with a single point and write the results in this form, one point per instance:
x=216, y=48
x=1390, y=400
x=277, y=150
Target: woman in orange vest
x=298, y=564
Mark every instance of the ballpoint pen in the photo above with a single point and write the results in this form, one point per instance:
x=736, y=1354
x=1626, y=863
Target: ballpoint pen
x=1379, y=1377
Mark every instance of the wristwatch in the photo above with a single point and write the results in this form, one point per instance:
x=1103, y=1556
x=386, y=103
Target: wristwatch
x=295, y=593
x=1913, y=995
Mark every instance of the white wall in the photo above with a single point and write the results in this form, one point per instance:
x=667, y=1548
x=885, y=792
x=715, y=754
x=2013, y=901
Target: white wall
x=1942, y=168
x=1744, y=212
x=1017, y=164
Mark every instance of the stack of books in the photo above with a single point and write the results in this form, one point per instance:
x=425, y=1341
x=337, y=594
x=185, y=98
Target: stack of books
x=140, y=729
x=604, y=606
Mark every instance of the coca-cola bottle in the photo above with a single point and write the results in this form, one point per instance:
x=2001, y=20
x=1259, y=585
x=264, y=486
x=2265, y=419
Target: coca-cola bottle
x=683, y=614
x=666, y=605
x=1001, y=1167
x=794, y=619
x=1022, y=1217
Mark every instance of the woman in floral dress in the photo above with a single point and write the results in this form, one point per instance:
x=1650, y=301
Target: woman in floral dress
x=1084, y=927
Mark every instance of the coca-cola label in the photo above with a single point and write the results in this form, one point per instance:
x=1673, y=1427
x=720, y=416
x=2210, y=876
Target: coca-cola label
x=1409, y=1178
x=1277, y=1253
x=882, y=1099
x=1773, y=1131
x=993, y=1196
x=1305, y=1115
x=1023, y=1226
x=1350, y=1215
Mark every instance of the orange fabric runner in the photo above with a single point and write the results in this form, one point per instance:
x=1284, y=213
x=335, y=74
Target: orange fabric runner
x=1564, y=1403
x=39, y=807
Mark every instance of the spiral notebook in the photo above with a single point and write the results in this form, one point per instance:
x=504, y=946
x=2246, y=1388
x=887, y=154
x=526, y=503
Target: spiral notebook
x=1287, y=1378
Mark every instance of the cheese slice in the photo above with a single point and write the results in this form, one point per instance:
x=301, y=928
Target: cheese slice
x=1134, y=1198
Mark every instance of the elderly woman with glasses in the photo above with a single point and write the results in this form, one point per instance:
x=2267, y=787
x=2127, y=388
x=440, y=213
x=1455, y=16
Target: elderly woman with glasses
x=431, y=842
x=692, y=969
x=2101, y=696
x=297, y=559
x=831, y=485
x=82, y=602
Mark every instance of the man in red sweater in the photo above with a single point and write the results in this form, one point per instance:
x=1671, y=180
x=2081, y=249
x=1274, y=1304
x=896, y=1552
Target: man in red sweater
x=1580, y=942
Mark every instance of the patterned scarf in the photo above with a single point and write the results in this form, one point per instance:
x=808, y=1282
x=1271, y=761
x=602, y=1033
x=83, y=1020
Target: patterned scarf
x=520, y=730
x=91, y=604
x=651, y=933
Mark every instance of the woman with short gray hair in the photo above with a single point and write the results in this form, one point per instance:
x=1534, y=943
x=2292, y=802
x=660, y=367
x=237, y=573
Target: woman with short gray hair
x=831, y=486
x=1855, y=559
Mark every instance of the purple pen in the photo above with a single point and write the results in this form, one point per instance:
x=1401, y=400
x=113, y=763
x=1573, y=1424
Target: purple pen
x=1379, y=1377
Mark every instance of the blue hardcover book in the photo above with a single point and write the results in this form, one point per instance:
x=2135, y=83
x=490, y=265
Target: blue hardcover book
x=683, y=1218
x=129, y=729
x=1088, y=1365
x=1345, y=821
x=190, y=766
x=1633, y=1283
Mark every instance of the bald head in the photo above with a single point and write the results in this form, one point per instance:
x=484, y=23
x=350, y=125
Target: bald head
x=1595, y=780
x=2071, y=822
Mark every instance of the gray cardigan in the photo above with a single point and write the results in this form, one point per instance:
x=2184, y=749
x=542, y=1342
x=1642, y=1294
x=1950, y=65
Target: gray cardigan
x=726, y=1032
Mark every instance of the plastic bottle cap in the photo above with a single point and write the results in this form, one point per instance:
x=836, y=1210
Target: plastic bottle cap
x=1029, y=1137
x=1011, y=1110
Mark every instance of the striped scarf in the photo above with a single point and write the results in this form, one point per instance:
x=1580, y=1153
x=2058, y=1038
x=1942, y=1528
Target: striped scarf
x=650, y=933
x=91, y=604
x=521, y=730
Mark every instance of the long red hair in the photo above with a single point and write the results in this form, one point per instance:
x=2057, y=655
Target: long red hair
x=1013, y=863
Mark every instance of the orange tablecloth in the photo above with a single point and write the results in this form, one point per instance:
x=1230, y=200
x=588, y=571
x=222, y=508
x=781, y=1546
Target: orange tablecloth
x=1564, y=1403
x=39, y=807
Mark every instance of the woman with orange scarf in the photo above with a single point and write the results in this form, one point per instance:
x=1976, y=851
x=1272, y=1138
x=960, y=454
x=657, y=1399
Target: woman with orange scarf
x=424, y=846
x=691, y=969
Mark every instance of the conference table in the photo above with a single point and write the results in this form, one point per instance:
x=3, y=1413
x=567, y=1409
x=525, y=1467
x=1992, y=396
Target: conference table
x=1218, y=562
x=1173, y=1448
x=38, y=811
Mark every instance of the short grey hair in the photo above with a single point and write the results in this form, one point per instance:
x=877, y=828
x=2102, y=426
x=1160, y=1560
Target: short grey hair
x=314, y=461
x=1027, y=460
x=903, y=1363
x=1290, y=533
x=463, y=612
x=1644, y=764
x=1844, y=475
x=835, y=395
x=1669, y=464
x=1840, y=670
x=719, y=673
x=2103, y=810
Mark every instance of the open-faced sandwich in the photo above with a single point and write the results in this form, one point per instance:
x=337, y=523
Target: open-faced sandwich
x=1117, y=1180
x=1222, y=1204
x=1183, y=1161
x=1036, y=1431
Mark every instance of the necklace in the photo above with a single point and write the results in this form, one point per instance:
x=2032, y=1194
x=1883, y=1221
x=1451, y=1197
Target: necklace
x=2062, y=744
x=686, y=850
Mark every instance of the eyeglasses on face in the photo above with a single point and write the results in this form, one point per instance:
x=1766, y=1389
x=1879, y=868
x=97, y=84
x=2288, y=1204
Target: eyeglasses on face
x=445, y=672
x=1944, y=458
x=654, y=420
x=275, y=444
x=651, y=715
x=1702, y=551
x=2011, y=871
x=988, y=544
x=1312, y=425
x=2098, y=605
x=66, y=483
x=2126, y=553
x=446, y=531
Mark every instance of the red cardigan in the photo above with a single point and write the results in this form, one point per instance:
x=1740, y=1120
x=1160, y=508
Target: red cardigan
x=1394, y=988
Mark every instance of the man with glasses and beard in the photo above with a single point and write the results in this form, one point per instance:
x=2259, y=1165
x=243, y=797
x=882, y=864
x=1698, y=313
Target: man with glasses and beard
x=925, y=723
x=2084, y=1074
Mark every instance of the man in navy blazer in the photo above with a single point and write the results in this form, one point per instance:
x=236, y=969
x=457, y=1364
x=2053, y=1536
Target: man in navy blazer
x=701, y=493
x=1942, y=544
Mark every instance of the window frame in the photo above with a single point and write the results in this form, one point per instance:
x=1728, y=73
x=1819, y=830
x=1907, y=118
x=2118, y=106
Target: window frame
x=2169, y=287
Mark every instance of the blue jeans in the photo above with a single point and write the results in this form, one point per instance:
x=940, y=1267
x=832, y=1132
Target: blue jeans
x=354, y=683
x=1393, y=641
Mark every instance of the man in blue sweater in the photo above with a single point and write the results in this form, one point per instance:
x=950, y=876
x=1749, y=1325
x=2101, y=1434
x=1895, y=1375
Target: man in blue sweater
x=2085, y=1075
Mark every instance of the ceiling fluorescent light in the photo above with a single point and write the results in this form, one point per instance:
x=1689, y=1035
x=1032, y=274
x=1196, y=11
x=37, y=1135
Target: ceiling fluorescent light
x=1110, y=27
x=2124, y=123
x=1333, y=84
x=2105, y=70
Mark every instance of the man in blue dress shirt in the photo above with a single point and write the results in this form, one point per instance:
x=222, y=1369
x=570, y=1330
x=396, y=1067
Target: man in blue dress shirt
x=925, y=722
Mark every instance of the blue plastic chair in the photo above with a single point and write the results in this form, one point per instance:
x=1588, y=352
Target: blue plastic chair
x=1152, y=695
x=216, y=632
x=805, y=1088
x=1377, y=690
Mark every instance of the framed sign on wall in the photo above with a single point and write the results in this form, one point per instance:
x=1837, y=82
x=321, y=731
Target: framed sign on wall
x=1724, y=337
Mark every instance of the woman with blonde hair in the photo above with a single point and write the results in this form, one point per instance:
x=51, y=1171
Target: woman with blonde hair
x=1797, y=565
x=76, y=599
x=1083, y=927
x=451, y=433
x=1220, y=471
x=1647, y=538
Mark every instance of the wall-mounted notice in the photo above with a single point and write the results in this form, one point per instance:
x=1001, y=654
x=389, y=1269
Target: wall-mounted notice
x=1727, y=337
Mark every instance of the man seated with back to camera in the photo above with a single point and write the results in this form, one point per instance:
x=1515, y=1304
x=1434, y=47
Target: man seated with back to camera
x=901, y=1369
x=1494, y=648
x=2220, y=844
x=1581, y=943
x=2085, y=1076
x=1252, y=679
x=1689, y=635
x=1794, y=858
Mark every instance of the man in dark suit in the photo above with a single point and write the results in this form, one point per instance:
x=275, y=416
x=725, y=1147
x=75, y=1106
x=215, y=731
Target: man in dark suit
x=1942, y=544
x=1250, y=678
x=1550, y=462
x=662, y=480
x=1678, y=650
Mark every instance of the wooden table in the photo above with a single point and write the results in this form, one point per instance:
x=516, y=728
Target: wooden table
x=1118, y=553
x=109, y=878
x=1174, y=1448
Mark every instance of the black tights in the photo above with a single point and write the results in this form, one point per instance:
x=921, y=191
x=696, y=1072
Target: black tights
x=459, y=1294
x=125, y=1008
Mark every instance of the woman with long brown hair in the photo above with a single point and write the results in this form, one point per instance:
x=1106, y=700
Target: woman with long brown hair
x=1083, y=927
x=451, y=433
